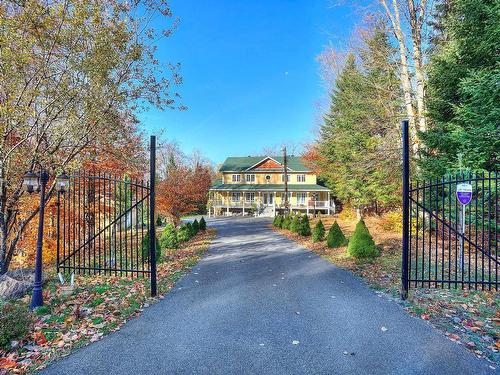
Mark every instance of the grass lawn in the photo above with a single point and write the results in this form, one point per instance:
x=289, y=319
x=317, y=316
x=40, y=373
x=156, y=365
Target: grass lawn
x=98, y=306
x=471, y=318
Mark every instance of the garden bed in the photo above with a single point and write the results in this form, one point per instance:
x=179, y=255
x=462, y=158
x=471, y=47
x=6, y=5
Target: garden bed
x=471, y=318
x=98, y=306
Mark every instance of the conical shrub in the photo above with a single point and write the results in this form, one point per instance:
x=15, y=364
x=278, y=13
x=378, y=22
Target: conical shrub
x=304, y=226
x=295, y=225
x=168, y=238
x=361, y=244
x=318, y=233
x=335, y=236
x=196, y=226
x=203, y=224
x=145, y=247
x=277, y=221
x=287, y=221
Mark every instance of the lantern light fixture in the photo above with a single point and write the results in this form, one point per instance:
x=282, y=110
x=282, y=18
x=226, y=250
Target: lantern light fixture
x=30, y=182
x=62, y=182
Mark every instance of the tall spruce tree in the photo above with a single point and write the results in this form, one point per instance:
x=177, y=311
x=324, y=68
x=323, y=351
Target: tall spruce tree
x=359, y=142
x=463, y=89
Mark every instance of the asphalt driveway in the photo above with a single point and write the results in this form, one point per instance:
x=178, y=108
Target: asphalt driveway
x=260, y=304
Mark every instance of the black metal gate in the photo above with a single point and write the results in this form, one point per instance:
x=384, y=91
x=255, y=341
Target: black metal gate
x=450, y=242
x=105, y=225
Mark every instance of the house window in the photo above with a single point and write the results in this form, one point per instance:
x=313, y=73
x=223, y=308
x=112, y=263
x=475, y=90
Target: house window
x=250, y=178
x=236, y=178
x=301, y=198
x=235, y=197
x=250, y=197
x=301, y=178
x=283, y=178
x=289, y=196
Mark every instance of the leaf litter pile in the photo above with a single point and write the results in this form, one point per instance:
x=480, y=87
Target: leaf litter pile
x=98, y=306
x=470, y=318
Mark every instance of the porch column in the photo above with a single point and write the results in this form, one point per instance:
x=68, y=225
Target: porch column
x=243, y=203
x=227, y=204
x=274, y=203
x=307, y=203
x=328, y=203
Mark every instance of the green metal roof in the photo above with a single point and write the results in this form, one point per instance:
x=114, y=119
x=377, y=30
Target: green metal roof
x=240, y=164
x=269, y=187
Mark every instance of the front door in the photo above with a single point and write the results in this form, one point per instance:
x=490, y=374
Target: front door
x=268, y=199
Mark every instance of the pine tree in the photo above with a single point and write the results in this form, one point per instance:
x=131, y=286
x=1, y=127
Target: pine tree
x=168, y=238
x=361, y=244
x=463, y=90
x=359, y=159
x=335, y=236
x=287, y=221
x=304, y=226
x=203, y=224
x=145, y=247
x=295, y=224
x=196, y=227
x=318, y=233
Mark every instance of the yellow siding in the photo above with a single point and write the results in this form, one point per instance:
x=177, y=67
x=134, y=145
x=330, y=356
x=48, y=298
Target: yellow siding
x=276, y=178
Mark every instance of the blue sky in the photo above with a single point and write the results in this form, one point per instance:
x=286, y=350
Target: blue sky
x=250, y=76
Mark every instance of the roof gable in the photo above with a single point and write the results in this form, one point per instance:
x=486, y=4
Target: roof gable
x=241, y=164
x=267, y=163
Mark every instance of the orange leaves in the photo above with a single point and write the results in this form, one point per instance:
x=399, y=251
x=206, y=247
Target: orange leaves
x=184, y=190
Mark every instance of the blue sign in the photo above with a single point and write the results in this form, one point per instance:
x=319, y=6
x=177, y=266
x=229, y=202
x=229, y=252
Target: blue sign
x=464, y=193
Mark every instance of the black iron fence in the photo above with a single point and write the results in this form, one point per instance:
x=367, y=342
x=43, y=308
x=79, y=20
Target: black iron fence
x=106, y=226
x=451, y=232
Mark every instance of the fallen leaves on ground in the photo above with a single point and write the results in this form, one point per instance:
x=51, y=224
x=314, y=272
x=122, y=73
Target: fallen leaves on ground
x=470, y=317
x=99, y=305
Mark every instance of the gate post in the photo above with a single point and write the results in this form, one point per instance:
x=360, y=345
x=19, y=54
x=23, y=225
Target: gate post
x=406, y=209
x=152, y=221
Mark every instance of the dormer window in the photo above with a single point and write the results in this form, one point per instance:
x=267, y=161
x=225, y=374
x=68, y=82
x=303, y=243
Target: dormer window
x=236, y=178
x=250, y=178
x=301, y=178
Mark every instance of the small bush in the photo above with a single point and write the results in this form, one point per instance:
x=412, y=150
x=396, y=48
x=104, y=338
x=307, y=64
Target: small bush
x=347, y=213
x=196, y=226
x=392, y=221
x=203, y=224
x=15, y=324
x=190, y=230
x=295, y=225
x=278, y=220
x=318, y=233
x=287, y=221
x=159, y=221
x=145, y=247
x=304, y=226
x=361, y=244
x=335, y=236
x=168, y=238
x=184, y=233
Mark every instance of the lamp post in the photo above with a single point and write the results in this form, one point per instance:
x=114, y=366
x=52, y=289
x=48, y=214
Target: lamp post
x=38, y=182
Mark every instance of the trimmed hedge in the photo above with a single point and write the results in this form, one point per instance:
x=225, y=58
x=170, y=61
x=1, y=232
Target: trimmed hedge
x=335, y=236
x=361, y=244
x=318, y=233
